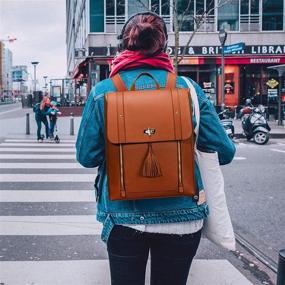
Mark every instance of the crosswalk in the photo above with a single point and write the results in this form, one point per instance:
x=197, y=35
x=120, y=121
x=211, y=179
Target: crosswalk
x=48, y=231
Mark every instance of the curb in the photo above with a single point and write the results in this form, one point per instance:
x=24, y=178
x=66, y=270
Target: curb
x=272, y=136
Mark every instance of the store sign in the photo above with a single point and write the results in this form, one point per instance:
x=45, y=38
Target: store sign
x=234, y=48
x=201, y=50
x=207, y=84
x=265, y=60
x=272, y=93
x=272, y=83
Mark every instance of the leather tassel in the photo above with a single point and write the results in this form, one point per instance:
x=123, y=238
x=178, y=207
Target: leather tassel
x=151, y=167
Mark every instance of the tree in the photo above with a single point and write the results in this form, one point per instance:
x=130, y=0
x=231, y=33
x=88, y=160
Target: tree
x=183, y=15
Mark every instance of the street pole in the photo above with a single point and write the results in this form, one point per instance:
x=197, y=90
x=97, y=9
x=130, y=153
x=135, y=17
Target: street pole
x=280, y=119
x=35, y=63
x=223, y=37
x=45, y=79
x=223, y=78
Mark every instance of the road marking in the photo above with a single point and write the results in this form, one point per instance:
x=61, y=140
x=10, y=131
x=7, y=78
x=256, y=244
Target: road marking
x=91, y=272
x=26, y=149
x=33, y=140
x=277, y=150
x=31, y=144
x=239, y=158
x=44, y=165
x=47, y=196
x=50, y=225
x=48, y=177
x=37, y=156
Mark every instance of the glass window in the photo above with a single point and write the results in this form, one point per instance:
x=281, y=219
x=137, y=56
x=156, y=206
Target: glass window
x=110, y=8
x=199, y=7
x=121, y=7
x=244, y=6
x=165, y=7
x=187, y=22
x=210, y=5
x=254, y=7
x=272, y=17
x=155, y=6
x=228, y=16
x=97, y=16
x=137, y=6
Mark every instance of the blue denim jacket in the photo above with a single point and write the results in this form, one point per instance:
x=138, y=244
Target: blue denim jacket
x=90, y=148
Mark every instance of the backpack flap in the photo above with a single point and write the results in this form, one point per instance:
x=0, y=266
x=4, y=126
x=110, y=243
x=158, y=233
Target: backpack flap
x=148, y=116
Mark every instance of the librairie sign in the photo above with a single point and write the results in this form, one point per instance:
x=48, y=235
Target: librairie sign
x=234, y=48
x=201, y=50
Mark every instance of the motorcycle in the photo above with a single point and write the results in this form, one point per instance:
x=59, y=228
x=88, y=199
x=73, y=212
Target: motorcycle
x=227, y=122
x=255, y=125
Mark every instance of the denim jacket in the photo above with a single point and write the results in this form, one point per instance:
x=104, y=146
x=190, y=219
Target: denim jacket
x=90, y=147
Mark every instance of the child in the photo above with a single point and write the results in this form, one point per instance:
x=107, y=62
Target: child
x=53, y=112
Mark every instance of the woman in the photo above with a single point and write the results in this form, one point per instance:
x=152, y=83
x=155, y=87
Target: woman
x=169, y=228
x=40, y=110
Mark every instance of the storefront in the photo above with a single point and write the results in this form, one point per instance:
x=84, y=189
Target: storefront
x=246, y=73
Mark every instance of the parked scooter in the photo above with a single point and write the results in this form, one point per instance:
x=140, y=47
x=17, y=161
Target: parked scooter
x=254, y=124
x=227, y=122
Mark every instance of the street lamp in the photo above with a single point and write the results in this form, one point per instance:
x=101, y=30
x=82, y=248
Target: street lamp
x=45, y=79
x=35, y=63
x=223, y=37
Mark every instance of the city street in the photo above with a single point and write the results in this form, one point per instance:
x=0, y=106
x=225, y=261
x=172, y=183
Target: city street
x=48, y=211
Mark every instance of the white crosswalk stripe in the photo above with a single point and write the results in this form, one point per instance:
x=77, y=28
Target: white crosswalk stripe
x=44, y=218
x=58, y=225
x=34, y=150
x=42, y=165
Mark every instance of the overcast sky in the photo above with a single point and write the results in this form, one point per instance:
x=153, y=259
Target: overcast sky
x=39, y=26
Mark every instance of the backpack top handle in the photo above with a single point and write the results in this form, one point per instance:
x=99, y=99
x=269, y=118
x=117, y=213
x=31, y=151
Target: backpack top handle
x=120, y=85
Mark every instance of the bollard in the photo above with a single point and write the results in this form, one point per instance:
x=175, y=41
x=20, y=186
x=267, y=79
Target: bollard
x=27, y=124
x=281, y=268
x=71, y=124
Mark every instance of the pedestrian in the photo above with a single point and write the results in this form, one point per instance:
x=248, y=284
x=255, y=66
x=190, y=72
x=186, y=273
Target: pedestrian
x=53, y=112
x=168, y=228
x=40, y=110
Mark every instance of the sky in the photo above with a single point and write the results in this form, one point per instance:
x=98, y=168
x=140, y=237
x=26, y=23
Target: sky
x=39, y=26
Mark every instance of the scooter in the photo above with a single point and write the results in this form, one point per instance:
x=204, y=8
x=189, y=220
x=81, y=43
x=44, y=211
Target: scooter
x=227, y=123
x=255, y=125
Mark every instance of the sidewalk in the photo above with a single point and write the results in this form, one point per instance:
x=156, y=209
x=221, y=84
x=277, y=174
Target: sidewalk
x=277, y=132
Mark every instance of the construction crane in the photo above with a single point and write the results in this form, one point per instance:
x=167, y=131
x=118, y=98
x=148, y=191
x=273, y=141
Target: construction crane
x=9, y=39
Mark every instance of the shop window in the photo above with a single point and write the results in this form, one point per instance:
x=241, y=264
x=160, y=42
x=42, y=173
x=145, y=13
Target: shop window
x=228, y=16
x=97, y=16
x=272, y=16
x=249, y=16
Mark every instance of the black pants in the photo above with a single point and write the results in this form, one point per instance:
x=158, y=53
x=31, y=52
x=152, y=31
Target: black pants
x=171, y=256
x=40, y=120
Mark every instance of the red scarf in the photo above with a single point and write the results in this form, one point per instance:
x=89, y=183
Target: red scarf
x=130, y=59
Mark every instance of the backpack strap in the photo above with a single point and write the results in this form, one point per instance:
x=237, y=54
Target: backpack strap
x=171, y=81
x=119, y=83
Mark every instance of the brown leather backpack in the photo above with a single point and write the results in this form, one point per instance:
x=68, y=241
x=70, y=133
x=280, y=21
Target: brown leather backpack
x=149, y=141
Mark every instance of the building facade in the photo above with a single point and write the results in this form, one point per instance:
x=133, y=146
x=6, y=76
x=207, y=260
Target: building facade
x=93, y=26
x=19, y=77
x=6, y=82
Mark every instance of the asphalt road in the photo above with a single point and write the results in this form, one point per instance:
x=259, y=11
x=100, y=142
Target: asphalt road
x=256, y=194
